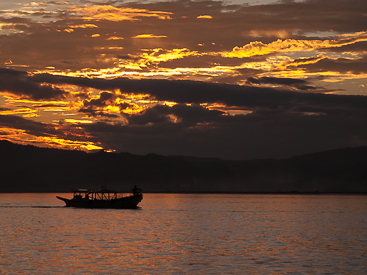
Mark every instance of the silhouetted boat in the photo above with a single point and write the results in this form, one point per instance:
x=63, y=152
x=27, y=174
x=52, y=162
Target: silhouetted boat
x=85, y=198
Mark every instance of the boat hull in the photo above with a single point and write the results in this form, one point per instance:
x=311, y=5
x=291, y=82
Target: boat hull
x=130, y=202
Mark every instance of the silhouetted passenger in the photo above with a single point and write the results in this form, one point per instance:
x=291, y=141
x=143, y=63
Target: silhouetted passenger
x=136, y=190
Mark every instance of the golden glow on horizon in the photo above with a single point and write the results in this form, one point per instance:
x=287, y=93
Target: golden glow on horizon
x=22, y=137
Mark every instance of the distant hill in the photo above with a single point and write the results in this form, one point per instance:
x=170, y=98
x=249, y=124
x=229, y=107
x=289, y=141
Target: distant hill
x=33, y=169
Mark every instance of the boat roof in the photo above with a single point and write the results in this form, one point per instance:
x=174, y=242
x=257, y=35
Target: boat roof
x=95, y=191
x=81, y=190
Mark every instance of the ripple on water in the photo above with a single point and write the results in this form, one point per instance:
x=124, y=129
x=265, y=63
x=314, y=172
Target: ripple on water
x=182, y=234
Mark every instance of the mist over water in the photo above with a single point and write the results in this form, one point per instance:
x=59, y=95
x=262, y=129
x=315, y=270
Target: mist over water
x=186, y=234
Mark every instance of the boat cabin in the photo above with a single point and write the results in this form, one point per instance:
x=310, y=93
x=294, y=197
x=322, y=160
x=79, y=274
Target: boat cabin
x=106, y=195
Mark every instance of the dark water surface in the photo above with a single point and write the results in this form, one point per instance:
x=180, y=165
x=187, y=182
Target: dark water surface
x=186, y=234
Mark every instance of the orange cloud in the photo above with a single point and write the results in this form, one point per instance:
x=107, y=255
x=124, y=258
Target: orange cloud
x=111, y=13
x=159, y=55
x=22, y=137
x=18, y=111
x=149, y=36
x=115, y=38
x=84, y=26
x=78, y=121
x=204, y=17
x=41, y=4
x=291, y=45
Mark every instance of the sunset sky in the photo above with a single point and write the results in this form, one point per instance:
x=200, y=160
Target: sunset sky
x=227, y=79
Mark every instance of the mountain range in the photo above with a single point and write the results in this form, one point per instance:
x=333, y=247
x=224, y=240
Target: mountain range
x=27, y=168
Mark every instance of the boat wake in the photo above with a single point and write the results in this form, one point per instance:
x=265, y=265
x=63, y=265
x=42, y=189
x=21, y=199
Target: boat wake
x=31, y=206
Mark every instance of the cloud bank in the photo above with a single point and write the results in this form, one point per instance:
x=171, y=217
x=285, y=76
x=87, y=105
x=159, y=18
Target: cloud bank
x=207, y=78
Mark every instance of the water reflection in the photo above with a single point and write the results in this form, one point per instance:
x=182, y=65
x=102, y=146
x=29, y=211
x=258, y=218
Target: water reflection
x=179, y=234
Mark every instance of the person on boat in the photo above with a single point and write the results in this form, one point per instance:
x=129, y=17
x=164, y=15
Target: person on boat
x=136, y=190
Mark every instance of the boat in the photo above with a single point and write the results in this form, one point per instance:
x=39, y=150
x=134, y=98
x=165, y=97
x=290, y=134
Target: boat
x=87, y=198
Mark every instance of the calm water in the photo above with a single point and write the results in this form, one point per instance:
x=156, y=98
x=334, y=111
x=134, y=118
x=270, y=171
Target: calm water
x=186, y=234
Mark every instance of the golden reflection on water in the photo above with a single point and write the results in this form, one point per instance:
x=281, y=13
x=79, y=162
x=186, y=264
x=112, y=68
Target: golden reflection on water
x=186, y=234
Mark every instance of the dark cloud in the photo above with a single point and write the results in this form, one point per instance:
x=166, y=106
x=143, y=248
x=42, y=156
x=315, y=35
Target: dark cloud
x=300, y=84
x=297, y=83
x=19, y=83
x=195, y=92
x=310, y=16
x=125, y=105
x=274, y=80
x=29, y=126
x=340, y=65
x=182, y=114
x=95, y=113
x=10, y=72
x=356, y=47
x=192, y=115
x=262, y=134
x=156, y=115
x=94, y=107
x=281, y=122
x=100, y=102
x=127, y=57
